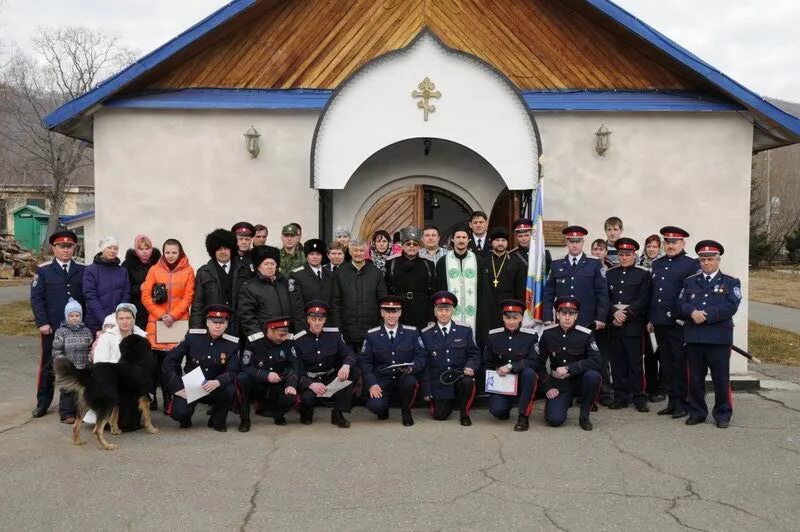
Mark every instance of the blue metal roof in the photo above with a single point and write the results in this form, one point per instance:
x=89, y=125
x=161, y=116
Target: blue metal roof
x=317, y=99
x=64, y=220
x=62, y=118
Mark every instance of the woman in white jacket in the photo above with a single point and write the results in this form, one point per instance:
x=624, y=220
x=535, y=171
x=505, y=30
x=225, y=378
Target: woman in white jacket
x=107, y=349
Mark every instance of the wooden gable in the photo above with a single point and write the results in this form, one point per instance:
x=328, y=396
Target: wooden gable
x=317, y=44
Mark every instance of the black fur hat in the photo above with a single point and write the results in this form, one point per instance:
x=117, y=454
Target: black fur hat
x=261, y=253
x=220, y=238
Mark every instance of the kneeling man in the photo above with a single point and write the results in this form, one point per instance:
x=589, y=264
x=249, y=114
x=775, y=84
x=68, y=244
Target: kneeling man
x=574, y=365
x=323, y=355
x=391, y=357
x=452, y=356
x=217, y=354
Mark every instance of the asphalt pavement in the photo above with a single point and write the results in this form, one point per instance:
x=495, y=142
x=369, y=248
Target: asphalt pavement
x=784, y=318
x=14, y=293
x=633, y=471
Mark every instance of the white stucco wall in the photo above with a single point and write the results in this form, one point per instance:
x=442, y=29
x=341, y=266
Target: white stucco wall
x=183, y=173
x=689, y=170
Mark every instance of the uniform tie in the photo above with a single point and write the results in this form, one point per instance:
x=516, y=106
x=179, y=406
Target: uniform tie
x=66, y=268
x=319, y=274
x=225, y=268
x=708, y=279
x=480, y=244
x=574, y=261
x=444, y=332
x=391, y=336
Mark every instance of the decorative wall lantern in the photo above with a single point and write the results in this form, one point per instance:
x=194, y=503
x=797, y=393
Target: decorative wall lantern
x=602, y=140
x=251, y=141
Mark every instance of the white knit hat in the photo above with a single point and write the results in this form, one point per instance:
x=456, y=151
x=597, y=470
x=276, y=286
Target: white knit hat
x=107, y=241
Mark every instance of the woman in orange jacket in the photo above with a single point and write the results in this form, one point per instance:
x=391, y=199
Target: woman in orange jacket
x=167, y=294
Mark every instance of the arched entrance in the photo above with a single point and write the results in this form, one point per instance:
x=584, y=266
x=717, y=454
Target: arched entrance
x=418, y=205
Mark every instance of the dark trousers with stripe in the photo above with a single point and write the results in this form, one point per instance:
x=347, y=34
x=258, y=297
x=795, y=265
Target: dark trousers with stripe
x=271, y=397
x=342, y=400
x=673, y=364
x=500, y=405
x=717, y=359
x=405, y=385
x=465, y=394
x=585, y=385
x=220, y=399
x=626, y=367
x=45, y=382
x=654, y=381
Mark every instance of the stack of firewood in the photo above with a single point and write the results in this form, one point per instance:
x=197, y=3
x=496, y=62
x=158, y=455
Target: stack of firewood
x=15, y=261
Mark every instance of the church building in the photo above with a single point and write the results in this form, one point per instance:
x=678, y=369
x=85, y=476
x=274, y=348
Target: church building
x=377, y=114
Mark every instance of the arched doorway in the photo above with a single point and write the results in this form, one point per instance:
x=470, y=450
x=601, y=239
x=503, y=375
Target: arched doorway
x=418, y=205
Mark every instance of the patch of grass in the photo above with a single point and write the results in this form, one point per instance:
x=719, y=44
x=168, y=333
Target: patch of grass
x=774, y=345
x=16, y=319
x=776, y=287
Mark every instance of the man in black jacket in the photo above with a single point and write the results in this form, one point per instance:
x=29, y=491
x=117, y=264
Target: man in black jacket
x=213, y=284
x=268, y=295
x=413, y=279
x=357, y=286
x=315, y=282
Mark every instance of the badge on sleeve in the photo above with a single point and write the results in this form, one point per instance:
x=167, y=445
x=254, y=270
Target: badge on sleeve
x=291, y=285
x=246, y=357
x=737, y=292
x=593, y=345
x=603, y=272
x=419, y=340
x=35, y=280
x=680, y=296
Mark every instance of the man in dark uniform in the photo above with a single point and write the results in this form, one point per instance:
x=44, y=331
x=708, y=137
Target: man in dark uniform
x=390, y=358
x=507, y=275
x=479, y=241
x=217, y=354
x=511, y=349
x=574, y=365
x=708, y=302
x=451, y=349
x=668, y=273
x=214, y=281
x=629, y=293
x=523, y=229
x=269, y=371
x=242, y=267
x=53, y=285
x=412, y=278
x=268, y=295
x=323, y=356
x=314, y=280
x=584, y=278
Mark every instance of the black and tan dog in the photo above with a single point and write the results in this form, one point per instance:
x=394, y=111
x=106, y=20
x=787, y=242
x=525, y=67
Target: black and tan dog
x=106, y=387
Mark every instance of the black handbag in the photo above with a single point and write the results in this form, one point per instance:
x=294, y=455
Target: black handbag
x=159, y=293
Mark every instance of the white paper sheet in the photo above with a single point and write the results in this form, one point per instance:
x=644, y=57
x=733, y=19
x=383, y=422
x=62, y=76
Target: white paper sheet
x=90, y=417
x=193, y=385
x=171, y=335
x=334, y=386
x=503, y=385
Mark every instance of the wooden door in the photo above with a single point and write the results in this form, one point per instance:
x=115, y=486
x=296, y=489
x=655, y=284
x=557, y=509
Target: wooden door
x=397, y=209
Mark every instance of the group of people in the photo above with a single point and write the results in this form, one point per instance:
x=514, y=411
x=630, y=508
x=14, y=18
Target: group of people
x=309, y=324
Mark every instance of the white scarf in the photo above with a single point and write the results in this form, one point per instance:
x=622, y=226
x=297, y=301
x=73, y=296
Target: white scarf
x=464, y=284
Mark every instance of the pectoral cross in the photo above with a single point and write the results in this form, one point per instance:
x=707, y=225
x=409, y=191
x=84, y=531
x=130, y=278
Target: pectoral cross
x=426, y=92
x=496, y=282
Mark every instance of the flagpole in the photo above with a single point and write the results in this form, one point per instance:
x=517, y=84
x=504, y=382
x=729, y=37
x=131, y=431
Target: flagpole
x=536, y=258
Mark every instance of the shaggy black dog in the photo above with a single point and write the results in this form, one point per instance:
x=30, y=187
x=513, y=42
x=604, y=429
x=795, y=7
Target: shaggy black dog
x=105, y=387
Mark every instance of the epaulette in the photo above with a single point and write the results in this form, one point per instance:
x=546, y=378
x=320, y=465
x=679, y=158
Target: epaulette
x=429, y=327
x=614, y=268
x=495, y=331
x=197, y=331
x=42, y=265
x=694, y=274
x=581, y=328
x=527, y=330
x=548, y=327
x=642, y=268
x=255, y=336
x=590, y=257
x=659, y=258
x=299, y=335
x=290, y=337
x=374, y=329
x=330, y=329
x=298, y=269
x=231, y=338
x=409, y=327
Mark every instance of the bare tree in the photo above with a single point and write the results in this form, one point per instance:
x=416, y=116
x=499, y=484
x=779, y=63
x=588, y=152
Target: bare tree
x=68, y=62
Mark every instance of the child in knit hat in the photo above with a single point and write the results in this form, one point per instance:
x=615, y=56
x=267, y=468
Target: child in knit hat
x=71, y=341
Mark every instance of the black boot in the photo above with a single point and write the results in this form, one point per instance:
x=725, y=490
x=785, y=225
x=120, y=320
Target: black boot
x=465, y=420
x=407, y=419
x=337, y=418
x=279, y=418
x=244, y=425
x=585, y=423
x=522, y=424
x=306, y=415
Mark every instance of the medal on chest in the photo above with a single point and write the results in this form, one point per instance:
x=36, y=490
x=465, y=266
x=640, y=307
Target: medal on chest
x=222, y=358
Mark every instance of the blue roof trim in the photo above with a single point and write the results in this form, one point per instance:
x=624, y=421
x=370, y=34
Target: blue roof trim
x=688, y=59
x=76, y=217
x=311, y=99
x=80, y=104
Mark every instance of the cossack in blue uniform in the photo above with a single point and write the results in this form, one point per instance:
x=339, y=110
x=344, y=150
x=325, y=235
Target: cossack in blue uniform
x=585, y=280
x=51, y=289
x=515, y=349
x=629, y=293
x=452, y=352
x=576, y=350
x=261, y=358
x=382, y=350
x=708, y=343
x=218, y=359
x=668, y=273
x=320, y=359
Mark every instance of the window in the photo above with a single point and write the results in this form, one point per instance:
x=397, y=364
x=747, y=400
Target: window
x=36, y=202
